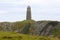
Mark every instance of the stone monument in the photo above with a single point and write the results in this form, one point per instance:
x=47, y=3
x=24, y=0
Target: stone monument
x=28, y=16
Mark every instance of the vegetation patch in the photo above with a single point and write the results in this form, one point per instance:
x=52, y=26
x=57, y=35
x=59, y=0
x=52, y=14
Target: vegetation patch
x=16, y=36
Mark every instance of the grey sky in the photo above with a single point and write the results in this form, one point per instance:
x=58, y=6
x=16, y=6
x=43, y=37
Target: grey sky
x=15, y=10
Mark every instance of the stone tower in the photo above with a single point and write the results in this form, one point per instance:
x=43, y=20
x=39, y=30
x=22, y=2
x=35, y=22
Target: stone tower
x=28, y=16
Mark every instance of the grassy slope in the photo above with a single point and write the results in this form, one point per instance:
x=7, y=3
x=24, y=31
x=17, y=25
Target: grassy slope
x=16, y=36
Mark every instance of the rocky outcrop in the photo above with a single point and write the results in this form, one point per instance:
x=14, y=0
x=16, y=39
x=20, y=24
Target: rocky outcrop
x=6, y=26
x=25, y=29
x=44, y=28
x=39, y=28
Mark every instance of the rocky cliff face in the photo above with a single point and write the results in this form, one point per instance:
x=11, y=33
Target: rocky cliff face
x=39, y=28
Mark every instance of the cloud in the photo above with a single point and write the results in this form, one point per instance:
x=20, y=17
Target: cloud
x=45, y=9
x=3, y=12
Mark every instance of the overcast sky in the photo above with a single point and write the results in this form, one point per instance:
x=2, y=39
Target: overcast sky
x=15, y=10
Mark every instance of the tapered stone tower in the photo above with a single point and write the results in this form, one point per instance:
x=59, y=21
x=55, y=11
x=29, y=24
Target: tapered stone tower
x=28, y=16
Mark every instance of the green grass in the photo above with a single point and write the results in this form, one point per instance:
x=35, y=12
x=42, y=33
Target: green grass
x=17, y=36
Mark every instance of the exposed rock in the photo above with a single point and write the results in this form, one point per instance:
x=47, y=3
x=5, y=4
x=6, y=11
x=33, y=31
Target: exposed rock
x=38, y=28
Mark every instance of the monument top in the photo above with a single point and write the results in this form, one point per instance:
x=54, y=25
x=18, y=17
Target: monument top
x=28, y=6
